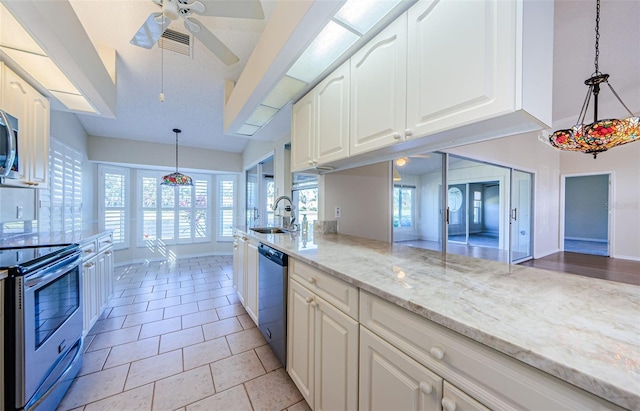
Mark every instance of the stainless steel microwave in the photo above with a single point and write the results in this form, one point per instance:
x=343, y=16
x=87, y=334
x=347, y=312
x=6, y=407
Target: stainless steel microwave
x=9, y=163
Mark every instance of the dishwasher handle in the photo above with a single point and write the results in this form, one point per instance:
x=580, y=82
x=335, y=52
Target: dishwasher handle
x=272, y=254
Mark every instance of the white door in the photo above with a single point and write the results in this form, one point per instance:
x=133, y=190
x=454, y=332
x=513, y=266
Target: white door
x=332, y=117
x=521, y=217
x=302, y=133
x=390, y=380
x=336, y=358
x=379, y=90
x=301, y=339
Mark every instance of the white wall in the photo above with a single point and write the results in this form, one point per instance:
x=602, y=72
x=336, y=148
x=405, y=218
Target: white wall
x=364, y=197
x=624, y=165
x=66, y=128
x=525, y=152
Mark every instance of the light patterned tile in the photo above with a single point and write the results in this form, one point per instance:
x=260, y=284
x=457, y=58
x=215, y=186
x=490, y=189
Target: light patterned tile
x=108, y=324
x=160, y=327
x=180, y=291
x=205, y=353
x=273, y=391
x=235, y=399
x=132, y=351
x=212, y=303
x=143, y=317
x=245, y=340
x=199, y=318
x=165, y=287
x=128, y=309
x=269, y=360
x=160, y=281
x=219, y=292
x=94, y=387
x=221, y=328
x=154, y=368
x=93, y=361
x=183, y=389
x=179, y=310
x=136, y=291
x=115, y=302
x=233, y=298
x=179, y=339
x=157, y=295
x=235, y=370
x=139, y=399
x=117, y=337
x=230, y=311
x=300, y=406
x=165, y=302
x=199, y=296
x=246, y=321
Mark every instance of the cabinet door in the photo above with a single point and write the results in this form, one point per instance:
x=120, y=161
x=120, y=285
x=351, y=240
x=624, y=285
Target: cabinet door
x=455, y=400
x=15, y=94
x=332, y=116
x=236, y=261
x=336, y=358
x=390, y=380
x=467, y=78
x=101, y=276
x=108, y=265
x=251, y=299
x=300, y=339
x=89, y=294
x=379, y=90
x=240, y=270
x=39, y=113
x=302, y=133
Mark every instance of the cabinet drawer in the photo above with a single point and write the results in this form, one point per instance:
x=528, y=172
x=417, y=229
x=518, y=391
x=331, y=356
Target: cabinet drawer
x=89, y=249
x=482, y=372
x=105, y=242
x=342, y=295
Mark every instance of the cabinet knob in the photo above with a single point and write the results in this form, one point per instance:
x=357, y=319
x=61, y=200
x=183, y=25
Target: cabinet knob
x=245, y=238
x=448, y=404
x=311, y=280
x=313, y=304
x=397, y=136
x=408, y=132
x=309, y=300
x=426, y=388
x=88, y=251
x=88, y=265
x=107, y=253
x=310, y=162
x=437, y=353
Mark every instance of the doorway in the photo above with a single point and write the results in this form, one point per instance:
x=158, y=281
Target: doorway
x=260, y=194
x=586, y=214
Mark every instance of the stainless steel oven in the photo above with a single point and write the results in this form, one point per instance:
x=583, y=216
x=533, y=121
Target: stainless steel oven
x=44, y=325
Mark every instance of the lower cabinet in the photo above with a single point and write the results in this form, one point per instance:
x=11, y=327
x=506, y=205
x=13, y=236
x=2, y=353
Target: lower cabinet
x=322, y=351
x=245, y=273
x=239, y=278
x=97, y=278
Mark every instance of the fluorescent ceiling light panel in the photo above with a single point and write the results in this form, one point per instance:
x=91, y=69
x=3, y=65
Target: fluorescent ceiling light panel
x=13, y=35
x=362, y=15
x=247, y=130
x=261, y=115
x=330, y=44
x=74, y=102
x=284, y=92
x=42, y=69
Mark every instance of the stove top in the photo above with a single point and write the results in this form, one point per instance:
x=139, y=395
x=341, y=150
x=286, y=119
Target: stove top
x=25, y=257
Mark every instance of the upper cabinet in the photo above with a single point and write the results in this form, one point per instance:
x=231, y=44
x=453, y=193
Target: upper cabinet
x=320, y=122
x=32, y=110
x=378, y=89
x=444, y=73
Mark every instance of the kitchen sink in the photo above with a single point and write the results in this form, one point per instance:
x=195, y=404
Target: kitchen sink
x=269, y=230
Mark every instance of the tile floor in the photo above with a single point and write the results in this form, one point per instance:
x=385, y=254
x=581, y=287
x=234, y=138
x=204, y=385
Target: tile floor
x=174, y=337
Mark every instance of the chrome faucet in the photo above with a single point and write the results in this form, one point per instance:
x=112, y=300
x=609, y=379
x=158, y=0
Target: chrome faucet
x=287, y=208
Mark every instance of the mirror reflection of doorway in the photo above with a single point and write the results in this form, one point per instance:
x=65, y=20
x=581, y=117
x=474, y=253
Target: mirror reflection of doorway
x=586, y=214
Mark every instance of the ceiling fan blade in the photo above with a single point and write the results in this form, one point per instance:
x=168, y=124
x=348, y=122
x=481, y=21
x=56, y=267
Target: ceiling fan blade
x=213, y=43
x=245, y=9
x=191, y=25
x=194, y=6
x=150, y=31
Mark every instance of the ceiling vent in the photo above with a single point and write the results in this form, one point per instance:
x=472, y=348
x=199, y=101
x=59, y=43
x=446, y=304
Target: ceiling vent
x=175, y=41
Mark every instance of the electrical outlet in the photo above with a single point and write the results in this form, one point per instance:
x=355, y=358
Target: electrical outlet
x=337, y=214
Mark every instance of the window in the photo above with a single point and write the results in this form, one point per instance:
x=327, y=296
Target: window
x=173, y=215
x=113, y=203
x=305, y=197
x=60, y=207
x=226, y=207
x=403, y=206
x=477, y=207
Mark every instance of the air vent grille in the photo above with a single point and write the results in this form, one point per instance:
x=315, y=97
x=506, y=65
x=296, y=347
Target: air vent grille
x=175, y=41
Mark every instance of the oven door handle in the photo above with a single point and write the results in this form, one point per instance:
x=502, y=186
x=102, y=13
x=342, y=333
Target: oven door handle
x=59, y=270
x=11, y=145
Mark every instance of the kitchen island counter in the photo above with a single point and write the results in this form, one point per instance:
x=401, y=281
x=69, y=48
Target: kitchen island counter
x=48, y=239
x=584, y=331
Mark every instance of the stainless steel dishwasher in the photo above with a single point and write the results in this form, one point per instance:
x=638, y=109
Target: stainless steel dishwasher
x=272, y=299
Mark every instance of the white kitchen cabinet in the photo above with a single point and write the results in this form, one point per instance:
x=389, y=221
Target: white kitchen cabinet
x=2, y=339
x=379, y=90
x=239, y=271
x=251, y=265
x=454, y=399
x=97, y=277
x=322, y=350
x=33, y=113
x=90, y=294
x=303, y=133
x=390, y=380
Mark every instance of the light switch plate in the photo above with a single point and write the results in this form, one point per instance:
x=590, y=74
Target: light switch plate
x=337, y=214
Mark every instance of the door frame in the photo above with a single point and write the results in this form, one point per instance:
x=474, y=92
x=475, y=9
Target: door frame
x=532, y=215
x=610, y=214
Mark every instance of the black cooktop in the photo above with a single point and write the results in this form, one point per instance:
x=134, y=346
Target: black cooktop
x=31, y=257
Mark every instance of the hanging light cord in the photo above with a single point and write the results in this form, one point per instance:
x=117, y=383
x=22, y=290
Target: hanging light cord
x=597, y=37
x=175, y=130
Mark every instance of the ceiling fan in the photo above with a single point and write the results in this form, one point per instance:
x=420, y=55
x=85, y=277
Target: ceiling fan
x=157, y=23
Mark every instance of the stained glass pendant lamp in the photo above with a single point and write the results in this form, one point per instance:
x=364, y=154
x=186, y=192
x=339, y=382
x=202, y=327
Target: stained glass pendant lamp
x=600, y=135
x=176, y=179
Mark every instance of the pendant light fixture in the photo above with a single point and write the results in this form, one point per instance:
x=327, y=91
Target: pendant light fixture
x=600, y=135
x=176, y=179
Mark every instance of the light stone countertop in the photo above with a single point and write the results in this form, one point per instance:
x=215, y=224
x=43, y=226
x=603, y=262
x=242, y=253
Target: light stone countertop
x=582, y=330
x=47, y=239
